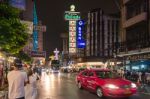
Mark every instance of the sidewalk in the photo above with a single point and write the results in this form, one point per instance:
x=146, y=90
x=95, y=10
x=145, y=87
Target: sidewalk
x=144, y=88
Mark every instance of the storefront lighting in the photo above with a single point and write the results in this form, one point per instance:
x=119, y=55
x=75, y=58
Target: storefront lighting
x=142, y=66
x=2, y=56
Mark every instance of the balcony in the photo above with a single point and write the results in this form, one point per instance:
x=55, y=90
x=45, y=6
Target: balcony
x=125, y=50
x=135, y=20
x=134, y=52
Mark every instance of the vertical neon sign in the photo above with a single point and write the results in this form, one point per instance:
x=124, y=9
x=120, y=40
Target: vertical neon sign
x=35, y=31
x=80, y=40
x=72, y=16
x=72, y=36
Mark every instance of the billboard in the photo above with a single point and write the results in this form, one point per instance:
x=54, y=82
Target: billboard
x=20, y=4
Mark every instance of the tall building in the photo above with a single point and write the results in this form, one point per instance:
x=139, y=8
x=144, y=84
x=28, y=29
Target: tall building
x=27, y=14
x=102, y=34
x=27, y=17
x=65, y=52
x=40, y=36
x=135, y=31
x=65, y=45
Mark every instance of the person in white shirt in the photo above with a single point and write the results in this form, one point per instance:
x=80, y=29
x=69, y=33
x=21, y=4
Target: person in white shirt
x=31, y=88
x=17, y=79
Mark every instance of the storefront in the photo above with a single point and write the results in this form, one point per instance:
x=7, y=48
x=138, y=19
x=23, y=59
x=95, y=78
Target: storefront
x=139, y=65
x=140, y=62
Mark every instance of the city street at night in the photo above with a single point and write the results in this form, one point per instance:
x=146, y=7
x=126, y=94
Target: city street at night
x=62, y=86
x=74, y=49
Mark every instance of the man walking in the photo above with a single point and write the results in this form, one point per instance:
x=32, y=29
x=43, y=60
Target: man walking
x=17, y=79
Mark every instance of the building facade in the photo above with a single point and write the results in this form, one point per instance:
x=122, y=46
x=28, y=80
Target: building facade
x=65, y=43
x=102, y=34
x=27, y=14
x=135, y=31
x=65, y=50
x=40, y=36
x=27, y=18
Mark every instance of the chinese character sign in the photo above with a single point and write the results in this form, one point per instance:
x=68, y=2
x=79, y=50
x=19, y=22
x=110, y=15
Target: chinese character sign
x=80, y=40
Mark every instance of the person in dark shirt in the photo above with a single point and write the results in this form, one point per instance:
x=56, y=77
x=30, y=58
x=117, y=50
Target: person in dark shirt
x=143, y=76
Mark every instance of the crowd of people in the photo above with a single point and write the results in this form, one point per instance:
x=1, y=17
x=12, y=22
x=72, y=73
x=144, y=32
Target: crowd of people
x=22, y=82
x=141, y=77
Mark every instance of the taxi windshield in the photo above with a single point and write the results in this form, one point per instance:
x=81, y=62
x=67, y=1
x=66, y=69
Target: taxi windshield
x=106, y=74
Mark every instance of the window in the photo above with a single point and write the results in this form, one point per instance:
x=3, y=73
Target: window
x=85, y=73
x=100, y=74
x=91, y=74
x=106, y=74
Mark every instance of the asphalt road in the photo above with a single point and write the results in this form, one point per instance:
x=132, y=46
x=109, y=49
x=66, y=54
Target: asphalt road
x=62, y=86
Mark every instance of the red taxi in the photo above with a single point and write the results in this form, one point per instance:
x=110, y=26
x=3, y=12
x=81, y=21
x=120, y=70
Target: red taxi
x=105, y=83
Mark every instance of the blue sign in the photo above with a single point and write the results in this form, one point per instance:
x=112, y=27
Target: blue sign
x=20, y=4
x=81, y=44
x=80, y=40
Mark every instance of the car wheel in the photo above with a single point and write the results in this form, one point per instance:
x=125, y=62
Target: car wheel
x=79, y=85
x=99, y=92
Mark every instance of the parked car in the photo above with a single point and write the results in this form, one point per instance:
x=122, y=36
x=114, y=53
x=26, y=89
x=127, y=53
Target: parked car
x=105, y=83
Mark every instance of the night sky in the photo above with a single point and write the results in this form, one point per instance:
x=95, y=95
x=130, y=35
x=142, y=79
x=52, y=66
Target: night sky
x=51, y=13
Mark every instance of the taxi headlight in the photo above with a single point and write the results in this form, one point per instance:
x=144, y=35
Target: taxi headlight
x=133, y=85
x=111, y=86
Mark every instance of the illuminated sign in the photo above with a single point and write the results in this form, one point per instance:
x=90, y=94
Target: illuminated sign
x=81, y=44
x=72, y=16
x=72, y=36
x=72, y=8
x=80, y=40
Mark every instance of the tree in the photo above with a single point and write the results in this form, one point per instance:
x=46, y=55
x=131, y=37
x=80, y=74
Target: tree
x=13, y=35
x=25, y=57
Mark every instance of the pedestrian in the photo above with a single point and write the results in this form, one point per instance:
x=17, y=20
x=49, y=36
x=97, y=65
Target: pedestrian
x=128, y=74
x=143, y=77
x=148, y=78
x=119, y=72
x=31, y=88
x=17, y=79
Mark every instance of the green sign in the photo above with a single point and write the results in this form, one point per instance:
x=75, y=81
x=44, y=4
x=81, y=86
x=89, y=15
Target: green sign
x=72, y=16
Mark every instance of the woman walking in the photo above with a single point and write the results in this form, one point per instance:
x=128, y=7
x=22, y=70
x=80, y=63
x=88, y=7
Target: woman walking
x=31, y=88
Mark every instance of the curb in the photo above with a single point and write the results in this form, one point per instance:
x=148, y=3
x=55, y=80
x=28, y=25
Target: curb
x=145, y=93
